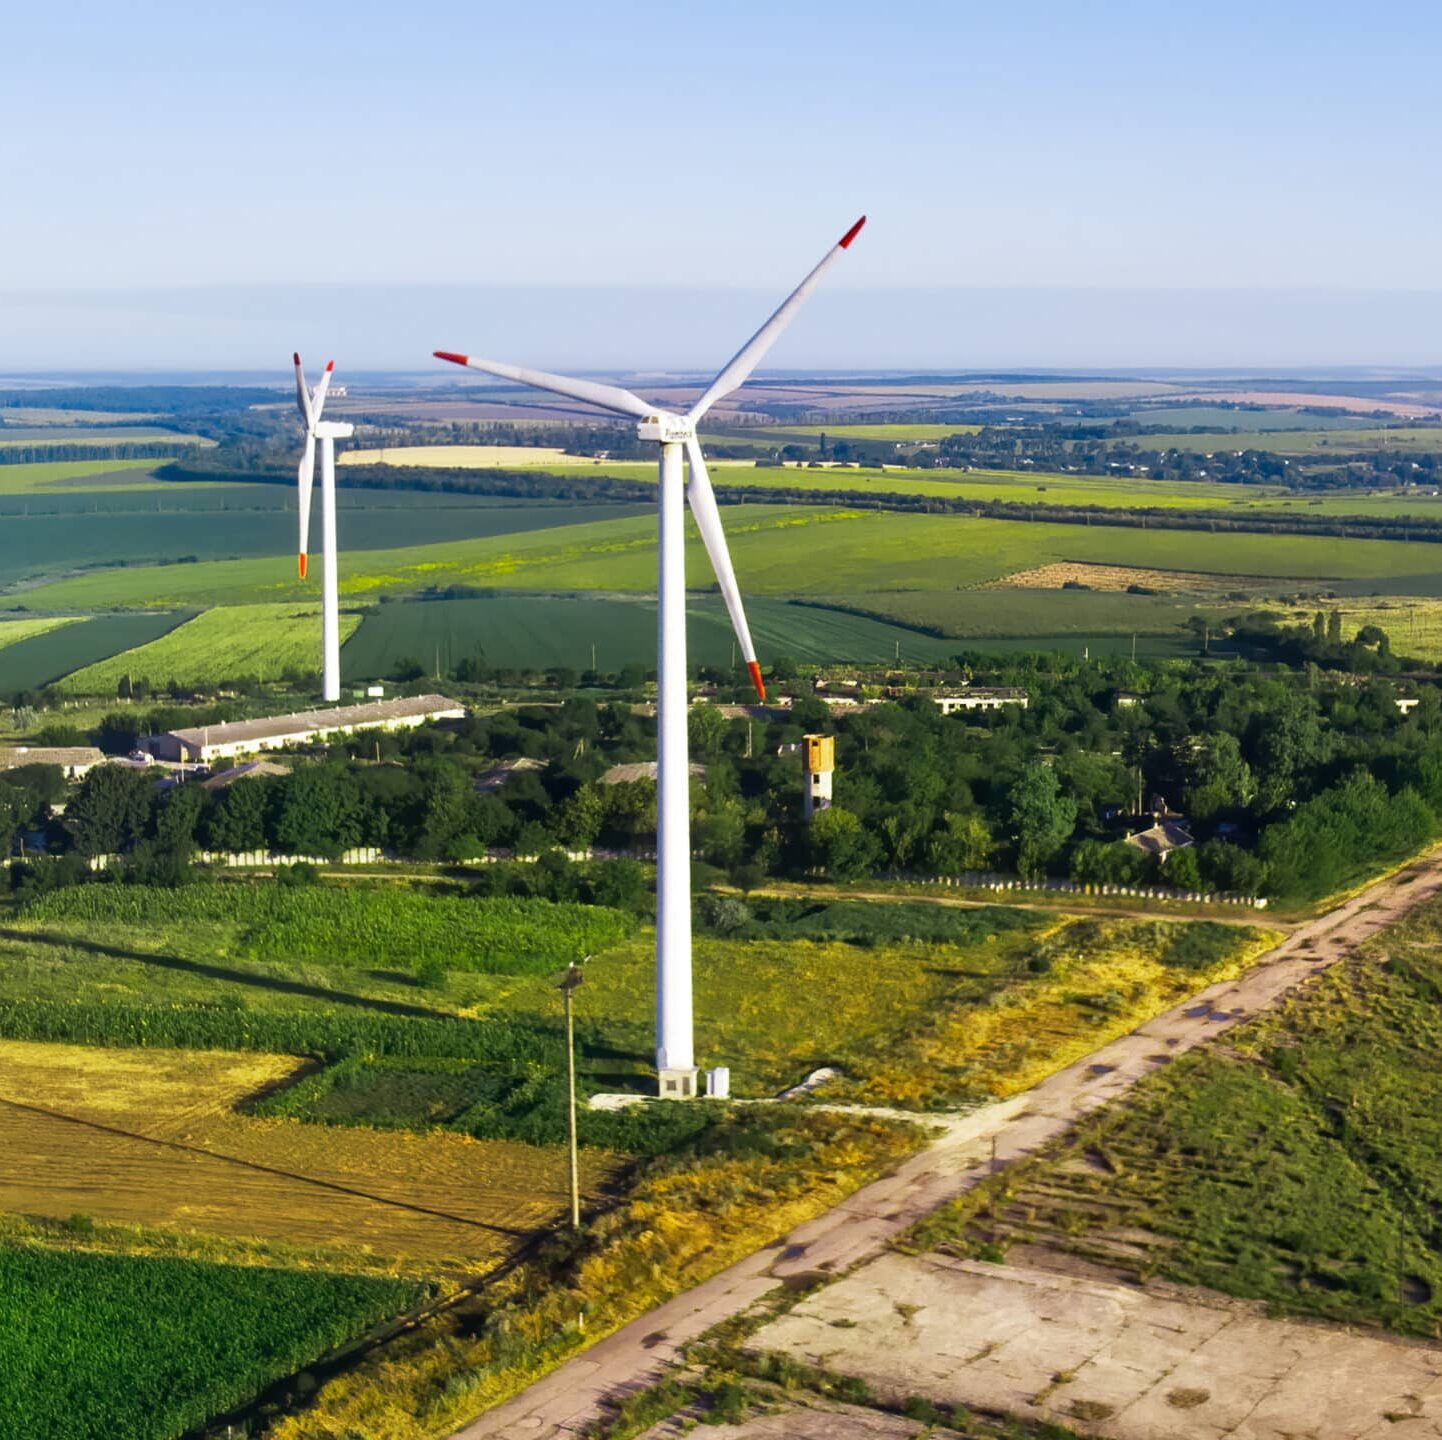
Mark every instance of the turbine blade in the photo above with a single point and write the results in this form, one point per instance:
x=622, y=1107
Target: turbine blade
x=307, y=477
x=608, y=397
x=749, y=356
x=317, y=401
x=708, y=521
x=302, y=395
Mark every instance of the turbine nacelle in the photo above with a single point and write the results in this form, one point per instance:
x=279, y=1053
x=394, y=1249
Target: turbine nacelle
x=666, y=428
x=333, y=430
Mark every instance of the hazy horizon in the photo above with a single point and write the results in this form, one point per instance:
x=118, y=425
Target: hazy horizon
x=396, y=327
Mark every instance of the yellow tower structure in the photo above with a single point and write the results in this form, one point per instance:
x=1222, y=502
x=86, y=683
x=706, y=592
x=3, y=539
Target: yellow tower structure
x=818, y=758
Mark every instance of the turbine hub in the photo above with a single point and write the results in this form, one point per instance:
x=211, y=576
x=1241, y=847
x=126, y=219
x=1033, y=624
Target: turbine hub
x=667, y=428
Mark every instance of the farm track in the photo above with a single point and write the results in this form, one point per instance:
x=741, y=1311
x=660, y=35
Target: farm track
x=969, y=1148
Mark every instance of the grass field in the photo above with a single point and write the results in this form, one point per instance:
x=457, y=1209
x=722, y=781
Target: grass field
x=43, y=476
x=1310, y=439
x=220, y=644
x=496, y=457
x=778, y=550
x=781, y=434
x=145, y=1349
x=115, y=436
x=1413, y=625
x=972, y=614
x=1298, y=1166
x=41, y=658
x=13, y=631
x=1221, y=417
x=545, y=631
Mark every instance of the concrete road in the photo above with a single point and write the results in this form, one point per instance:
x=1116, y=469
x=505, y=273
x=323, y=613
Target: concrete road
x=861, y=1227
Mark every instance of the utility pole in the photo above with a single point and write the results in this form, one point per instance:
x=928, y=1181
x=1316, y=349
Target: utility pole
x=568, y=987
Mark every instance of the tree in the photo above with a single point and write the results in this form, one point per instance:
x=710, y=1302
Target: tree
x=319, y=811
x=1181, y=870
x=1221, y=778
x=238, y=820
x=839, y=846
x=1042, y=818
x=1334, y=627
x=963, y=843
x=577, y=820
x=110, y=810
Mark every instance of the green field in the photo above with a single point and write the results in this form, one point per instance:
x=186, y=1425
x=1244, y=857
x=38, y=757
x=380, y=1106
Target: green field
x=13, y=631
x=970, y=614
x=225, y=643
x=809, y=434
x=1334, y=440
x=1221, y=418
x=538, y=632
x=115, y=437
x=778, y=550
x=28, y=664
x=145, y=1348
x=43, y=476
x=1298, y=1166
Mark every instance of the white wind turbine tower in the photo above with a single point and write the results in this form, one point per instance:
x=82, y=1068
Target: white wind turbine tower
x=675, y=1056
x=327, y=432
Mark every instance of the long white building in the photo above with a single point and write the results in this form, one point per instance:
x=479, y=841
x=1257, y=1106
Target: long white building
x=206, y=743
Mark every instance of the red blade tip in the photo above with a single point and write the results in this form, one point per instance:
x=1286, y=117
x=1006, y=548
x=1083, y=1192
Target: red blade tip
x=302, y=566
x=329, y=366
x=852, y=233
x=756, y=679
x=449, y=355
x=296, y=358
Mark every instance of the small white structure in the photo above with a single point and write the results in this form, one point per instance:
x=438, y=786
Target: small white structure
x=75, y=760
x=818, y=760
x=247, y=737
x=718, y=1083
x=1406, y=703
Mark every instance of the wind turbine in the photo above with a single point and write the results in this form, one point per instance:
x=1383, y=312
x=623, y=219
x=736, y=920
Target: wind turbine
x=327, y=432
x=676, y=434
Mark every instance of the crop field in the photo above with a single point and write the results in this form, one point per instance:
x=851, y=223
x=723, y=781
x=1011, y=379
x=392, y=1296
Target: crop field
x=63, y=533
x=150, y=1137
x=220, y=644
x=546, y=631
x=1311, y=439
x=778, y=550
x=495, y=457
x=13, y=631
x=114, y=436
x=44, y=476
x=365, y=927
x=145, y=1349
x=1021, y=613
x=1298, y=1166
x=29, y=663
x=1223, y=418
x=810, y=434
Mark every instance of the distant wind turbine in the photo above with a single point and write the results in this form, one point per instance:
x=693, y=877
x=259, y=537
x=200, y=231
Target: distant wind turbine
x=675, y=1054
x=327, y=432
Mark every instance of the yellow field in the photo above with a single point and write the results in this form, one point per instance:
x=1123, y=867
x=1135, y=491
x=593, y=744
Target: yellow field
x=150, y=1137
x=1413, y=623
x=1106, y=979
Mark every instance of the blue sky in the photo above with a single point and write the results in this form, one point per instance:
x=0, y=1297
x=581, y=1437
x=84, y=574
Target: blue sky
x=163, y=149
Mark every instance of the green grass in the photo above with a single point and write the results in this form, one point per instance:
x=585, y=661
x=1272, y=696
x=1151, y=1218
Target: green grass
x=543, y=631
x=809, y=434
x=1299, y=1166
x=974, y=614
x=142, y=1348
x=42, y=476
x=116, y=436
x=1308, y=440
x=39, y=659
x=13, y=631
x=778, y=550
x=355, y=927
x=221, y=644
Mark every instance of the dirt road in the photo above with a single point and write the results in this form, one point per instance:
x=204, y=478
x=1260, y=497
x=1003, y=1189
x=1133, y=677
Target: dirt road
x=861, y=1227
